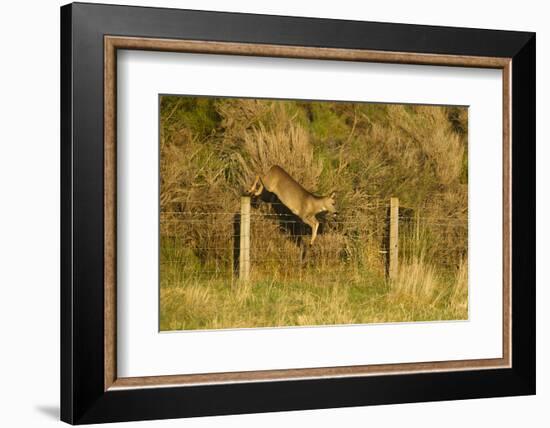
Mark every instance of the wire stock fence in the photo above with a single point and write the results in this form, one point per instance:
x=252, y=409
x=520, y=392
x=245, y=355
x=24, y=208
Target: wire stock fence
x=252, y=239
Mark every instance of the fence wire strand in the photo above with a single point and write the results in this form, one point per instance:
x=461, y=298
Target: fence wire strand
x=205, y=243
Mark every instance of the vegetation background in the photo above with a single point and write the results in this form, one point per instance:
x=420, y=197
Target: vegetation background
x=212, y=148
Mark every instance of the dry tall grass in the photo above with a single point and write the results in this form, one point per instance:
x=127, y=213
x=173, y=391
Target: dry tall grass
x=288, y=146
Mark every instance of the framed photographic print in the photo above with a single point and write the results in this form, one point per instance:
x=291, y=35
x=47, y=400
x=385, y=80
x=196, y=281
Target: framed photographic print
x=264, y=213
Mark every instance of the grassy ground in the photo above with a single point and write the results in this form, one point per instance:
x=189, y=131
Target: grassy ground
x=314, y=297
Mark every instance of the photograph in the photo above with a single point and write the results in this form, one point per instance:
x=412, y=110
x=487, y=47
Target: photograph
x=293, y=213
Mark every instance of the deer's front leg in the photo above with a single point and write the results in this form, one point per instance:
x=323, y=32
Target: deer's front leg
x=314, y=233
x=312, y=221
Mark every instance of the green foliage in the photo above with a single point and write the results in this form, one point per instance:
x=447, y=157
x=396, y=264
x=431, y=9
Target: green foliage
x=198, y=115
x=328, y=121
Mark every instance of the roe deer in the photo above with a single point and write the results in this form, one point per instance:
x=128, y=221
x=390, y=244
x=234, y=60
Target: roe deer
x=297, y=199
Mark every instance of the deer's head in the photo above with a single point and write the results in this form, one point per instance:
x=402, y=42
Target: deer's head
x=329, y=203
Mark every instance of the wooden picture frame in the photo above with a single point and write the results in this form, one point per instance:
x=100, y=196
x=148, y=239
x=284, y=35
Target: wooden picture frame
x=91, y=390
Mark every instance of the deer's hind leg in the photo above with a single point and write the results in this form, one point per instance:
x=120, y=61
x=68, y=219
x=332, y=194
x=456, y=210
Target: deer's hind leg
x=260, y=189
x=253, y=191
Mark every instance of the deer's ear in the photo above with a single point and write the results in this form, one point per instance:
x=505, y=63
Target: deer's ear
x=333, y=195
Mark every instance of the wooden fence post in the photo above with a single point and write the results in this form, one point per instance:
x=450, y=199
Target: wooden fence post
x=394, y=238
x=244, y=250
